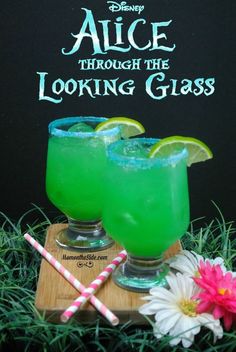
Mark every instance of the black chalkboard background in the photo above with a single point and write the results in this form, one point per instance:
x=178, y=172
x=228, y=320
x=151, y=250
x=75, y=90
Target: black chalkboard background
x=33, y=34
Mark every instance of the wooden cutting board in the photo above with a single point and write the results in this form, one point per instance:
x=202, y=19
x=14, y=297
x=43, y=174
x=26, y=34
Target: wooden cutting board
x=54, y=294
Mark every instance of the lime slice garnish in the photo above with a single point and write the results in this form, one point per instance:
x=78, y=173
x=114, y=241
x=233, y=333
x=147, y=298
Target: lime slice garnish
x=197, y=150
x=81, y=127
x=128, y=127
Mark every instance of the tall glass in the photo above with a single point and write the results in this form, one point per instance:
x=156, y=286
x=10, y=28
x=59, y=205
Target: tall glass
x=146, y=209
x=76, y=165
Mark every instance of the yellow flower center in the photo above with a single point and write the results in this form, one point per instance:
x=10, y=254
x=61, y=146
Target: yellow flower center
x=189, y=307
x=222, y=291
x=197, y=274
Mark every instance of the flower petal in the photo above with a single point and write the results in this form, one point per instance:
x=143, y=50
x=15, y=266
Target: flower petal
x=186, y=326
x=149, y=308
x=156, y=332
x=203, y=306
x=213, y=324
x=174, y=341
x=231, y=306
x=188, y=341
x=228, y=320
x=167, y=321
x=162, y=293
x=218, y=312
x=186, y=262
x=147, y=298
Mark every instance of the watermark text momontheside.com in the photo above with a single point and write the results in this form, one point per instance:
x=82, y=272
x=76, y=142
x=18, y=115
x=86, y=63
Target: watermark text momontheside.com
x=84, y=257
x=84, y=260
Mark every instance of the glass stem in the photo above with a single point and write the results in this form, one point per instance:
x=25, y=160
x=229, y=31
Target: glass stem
x=86, y=228
x=140, y=274
x=142, y=266
x=84, y=236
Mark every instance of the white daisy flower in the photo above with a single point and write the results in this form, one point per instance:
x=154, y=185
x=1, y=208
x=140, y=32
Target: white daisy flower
x=175, y=311
x=187, y=262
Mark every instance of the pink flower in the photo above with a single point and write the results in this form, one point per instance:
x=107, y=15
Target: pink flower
x=219, y=292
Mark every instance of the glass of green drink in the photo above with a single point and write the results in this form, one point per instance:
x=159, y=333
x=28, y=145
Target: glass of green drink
x=146, y=208
x=76, y=164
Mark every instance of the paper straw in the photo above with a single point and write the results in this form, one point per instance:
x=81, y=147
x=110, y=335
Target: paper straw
x=72, y=280
x=94, y=286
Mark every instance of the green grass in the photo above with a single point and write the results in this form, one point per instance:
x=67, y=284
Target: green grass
x=23, y=328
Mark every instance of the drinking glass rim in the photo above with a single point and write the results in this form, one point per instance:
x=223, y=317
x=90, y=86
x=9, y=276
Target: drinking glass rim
x=54, y=129
x=133, y=161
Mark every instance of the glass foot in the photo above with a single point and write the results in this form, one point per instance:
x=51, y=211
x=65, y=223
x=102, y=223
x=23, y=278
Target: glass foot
x=141, y=274
x=84, y=236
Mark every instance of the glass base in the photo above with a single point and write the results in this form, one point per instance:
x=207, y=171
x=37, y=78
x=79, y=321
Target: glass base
x=84, y=236
x=141, y=274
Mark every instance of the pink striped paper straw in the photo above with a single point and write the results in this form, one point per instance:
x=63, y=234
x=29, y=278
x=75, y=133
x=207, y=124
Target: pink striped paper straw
x=72, y=280
x=94, y=286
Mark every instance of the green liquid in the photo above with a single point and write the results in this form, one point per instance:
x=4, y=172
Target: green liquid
x=146, y=208
x=75, y=176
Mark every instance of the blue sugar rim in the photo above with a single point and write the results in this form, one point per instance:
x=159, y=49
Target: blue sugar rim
x=139, y=162
x=54, y=127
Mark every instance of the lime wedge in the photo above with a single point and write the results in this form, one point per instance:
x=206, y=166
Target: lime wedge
x=81, y=127
x=128, y=127
x=197, y=150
